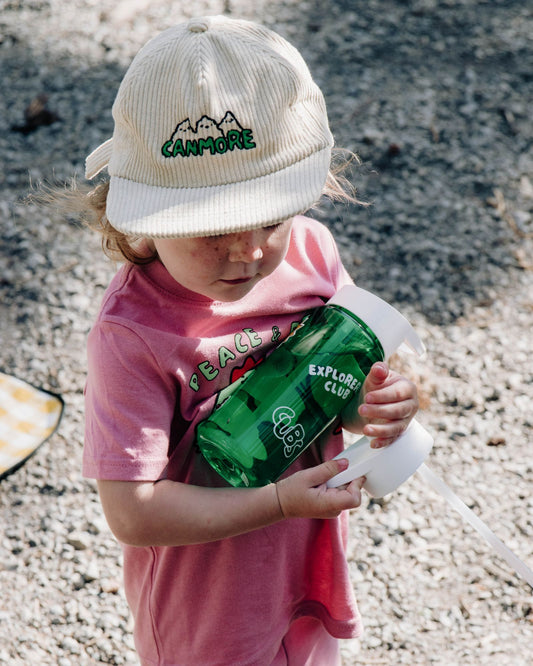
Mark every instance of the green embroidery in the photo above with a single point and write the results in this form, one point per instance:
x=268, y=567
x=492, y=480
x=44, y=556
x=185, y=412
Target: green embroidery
x=208, y=137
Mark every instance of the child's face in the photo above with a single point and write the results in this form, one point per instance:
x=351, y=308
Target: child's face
x=227, y=267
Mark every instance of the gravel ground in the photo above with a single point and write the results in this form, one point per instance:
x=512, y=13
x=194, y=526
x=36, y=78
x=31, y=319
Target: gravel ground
x=436, y=98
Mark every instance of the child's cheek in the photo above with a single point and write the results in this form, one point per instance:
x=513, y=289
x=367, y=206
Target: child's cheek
x=206, y=258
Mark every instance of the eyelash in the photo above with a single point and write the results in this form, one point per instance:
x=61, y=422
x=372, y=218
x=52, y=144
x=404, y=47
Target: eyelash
x=271, y=227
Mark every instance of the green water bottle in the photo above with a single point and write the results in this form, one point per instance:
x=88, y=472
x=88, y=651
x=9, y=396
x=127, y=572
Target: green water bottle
x=295, y=394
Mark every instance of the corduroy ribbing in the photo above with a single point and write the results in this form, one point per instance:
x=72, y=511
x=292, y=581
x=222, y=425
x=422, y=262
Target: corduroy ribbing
x=219, y=127
x=152, y=211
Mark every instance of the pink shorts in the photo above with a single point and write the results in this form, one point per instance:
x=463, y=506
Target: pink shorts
x=307, y=643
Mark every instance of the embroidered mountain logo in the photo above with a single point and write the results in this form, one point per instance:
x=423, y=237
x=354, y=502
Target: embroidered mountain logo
x=208, y=136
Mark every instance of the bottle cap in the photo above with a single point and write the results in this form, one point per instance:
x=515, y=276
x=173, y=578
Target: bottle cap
x=390, y=327
x=387, y=468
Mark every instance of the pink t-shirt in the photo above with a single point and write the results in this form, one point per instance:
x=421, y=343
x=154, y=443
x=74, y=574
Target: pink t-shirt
x=158, y=357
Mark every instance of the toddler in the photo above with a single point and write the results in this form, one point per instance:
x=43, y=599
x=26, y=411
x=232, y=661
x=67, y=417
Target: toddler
x=221, y=142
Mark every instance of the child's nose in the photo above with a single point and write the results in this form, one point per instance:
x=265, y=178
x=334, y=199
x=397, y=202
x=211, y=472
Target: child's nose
x=246, y=246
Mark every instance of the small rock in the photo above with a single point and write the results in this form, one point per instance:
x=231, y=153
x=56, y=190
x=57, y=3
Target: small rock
x=79, y=540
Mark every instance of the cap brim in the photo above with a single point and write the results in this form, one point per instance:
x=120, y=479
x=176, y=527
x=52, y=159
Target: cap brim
x=159, y=212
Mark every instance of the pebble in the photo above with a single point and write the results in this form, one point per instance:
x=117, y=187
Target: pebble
x=446, y=165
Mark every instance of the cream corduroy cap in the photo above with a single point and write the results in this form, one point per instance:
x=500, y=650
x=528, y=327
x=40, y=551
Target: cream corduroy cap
x=219, y=128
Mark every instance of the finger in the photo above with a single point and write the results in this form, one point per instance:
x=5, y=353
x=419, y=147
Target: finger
x=389, y=430
x=396, y=391
x=395, y=411
x=318, y=475
x=357, y=483
x=353, y=489
x=379, y=371
x=381, y=443
x=377, y=375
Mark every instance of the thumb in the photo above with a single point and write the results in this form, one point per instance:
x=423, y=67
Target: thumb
x=377, y=376
x=326, y=471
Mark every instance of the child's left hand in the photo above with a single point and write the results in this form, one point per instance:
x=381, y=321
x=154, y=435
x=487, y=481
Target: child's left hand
x=390, y=401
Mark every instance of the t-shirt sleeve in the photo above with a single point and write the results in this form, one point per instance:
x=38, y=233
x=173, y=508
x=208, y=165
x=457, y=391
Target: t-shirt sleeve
x=129, y=407
x=340, y=275
x=323, y=253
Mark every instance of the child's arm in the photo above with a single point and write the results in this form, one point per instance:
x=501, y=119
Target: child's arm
x=168, y=513
x=389, y=403
x=172, y=514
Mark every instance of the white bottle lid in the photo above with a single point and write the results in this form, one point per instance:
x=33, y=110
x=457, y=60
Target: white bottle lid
x=389, y=326
x=386, y=468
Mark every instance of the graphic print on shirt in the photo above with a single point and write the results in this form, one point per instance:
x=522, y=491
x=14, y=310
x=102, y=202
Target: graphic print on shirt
x=244, y=341
x=238, y=375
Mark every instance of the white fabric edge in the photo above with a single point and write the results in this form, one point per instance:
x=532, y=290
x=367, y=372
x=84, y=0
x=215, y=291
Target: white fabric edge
x=99, y=159
x=159, y=212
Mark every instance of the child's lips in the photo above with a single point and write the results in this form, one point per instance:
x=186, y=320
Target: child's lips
x=242, y=280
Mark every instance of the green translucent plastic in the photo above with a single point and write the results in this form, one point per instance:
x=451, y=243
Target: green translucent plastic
x=284, y=403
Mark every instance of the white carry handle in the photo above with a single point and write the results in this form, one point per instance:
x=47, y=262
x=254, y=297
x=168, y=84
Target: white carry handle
x=467, y=514
x=389, y=326
x=387, y=468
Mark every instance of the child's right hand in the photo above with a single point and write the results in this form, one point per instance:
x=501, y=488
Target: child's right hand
x=304, y=494
x=170, y=513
